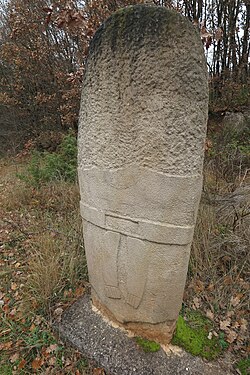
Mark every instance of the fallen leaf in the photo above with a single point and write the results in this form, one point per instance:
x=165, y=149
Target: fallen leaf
x=52, y=361
x=79, y=291
x=21, y=364
x=12, y=312
x=51, y=348
x=37, y=363
x=58, y=313
x=7, y=345
x=14, y=286
x=98, y=371
x=236, y=300
x=32, y=327
x=231, y=336
x=14, y=357
x=196, y=303
x=210, y=314
x=225, y=324
x=243, y=325
x=199, y=286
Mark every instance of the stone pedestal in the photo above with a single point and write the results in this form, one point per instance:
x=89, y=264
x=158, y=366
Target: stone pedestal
x=141, y=138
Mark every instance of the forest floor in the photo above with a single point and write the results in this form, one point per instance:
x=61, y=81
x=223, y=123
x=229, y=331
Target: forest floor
x=43, y=268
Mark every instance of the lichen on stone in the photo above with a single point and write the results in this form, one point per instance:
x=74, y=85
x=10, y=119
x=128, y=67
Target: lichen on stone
x=135, y=23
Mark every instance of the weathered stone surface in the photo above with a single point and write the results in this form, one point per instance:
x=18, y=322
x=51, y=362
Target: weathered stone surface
x=142, y=127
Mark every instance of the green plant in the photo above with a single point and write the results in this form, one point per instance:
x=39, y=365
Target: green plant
x=5, y=369
x=147, y=345
x=192, y=334
x=59, y=165
x=244, y=366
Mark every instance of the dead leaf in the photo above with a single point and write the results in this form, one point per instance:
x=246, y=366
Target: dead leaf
x=37, y=363
x=231, y=336
x=243, y=325
x=196, y=303
x=14, y=286
x=199, y=286
x=225, y=324
x=14, y=357
x=52, y=348
x=6, y=345
x=236, y=300
x=58, y=313
x=21, y=364
x=12, y=313
x=210, y=314
x=52, y=361
x=32, y=327
x=79, y=291
x=210, y=287
x=98, y=371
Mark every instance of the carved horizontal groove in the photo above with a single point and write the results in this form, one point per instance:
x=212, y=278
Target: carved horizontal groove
x=157, y=232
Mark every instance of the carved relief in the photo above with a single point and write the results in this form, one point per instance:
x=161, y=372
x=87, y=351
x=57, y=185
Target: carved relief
x=110, y=248
x=136, y=276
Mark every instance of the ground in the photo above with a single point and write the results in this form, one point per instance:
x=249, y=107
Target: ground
x=43, y=267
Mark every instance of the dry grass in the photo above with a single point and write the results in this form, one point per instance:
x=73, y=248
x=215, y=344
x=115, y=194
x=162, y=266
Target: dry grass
x=220, y=259
x=48, y=219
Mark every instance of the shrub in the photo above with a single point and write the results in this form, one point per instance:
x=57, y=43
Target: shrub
x=59, y=165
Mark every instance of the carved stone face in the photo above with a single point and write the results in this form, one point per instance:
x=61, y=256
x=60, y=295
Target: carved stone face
x=142, y=127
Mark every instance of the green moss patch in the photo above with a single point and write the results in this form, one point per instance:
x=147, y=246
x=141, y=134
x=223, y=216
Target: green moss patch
x=192, y=334
x=147, y=345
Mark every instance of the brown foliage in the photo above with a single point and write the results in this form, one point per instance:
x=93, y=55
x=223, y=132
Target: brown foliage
x=44, y=45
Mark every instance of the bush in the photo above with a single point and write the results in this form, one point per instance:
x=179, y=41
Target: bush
x=59, y=165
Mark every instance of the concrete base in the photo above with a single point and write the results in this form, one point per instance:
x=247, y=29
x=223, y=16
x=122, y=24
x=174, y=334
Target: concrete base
x=112, y=349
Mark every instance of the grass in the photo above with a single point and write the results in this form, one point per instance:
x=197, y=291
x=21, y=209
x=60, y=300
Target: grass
x=43, y=265
x=42, y=270
x=244, y=366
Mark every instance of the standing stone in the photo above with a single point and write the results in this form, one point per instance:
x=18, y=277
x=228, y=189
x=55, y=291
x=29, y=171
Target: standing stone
x=142, y=128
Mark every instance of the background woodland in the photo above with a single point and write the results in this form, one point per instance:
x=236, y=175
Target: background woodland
x=43, y=50
x=44, y=44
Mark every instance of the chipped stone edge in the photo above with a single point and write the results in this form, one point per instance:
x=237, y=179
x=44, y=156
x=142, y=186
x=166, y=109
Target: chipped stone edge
x=168, y=349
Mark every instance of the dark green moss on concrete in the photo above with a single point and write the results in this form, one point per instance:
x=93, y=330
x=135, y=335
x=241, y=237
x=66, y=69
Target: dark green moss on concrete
x=192, y=334
x=147, y=345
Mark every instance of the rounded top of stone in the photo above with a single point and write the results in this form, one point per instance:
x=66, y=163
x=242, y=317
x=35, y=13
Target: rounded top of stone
x=144, y=100
x=137, y=23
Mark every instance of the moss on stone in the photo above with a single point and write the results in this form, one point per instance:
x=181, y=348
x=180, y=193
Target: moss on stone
x=192, y=334
x=147, y=345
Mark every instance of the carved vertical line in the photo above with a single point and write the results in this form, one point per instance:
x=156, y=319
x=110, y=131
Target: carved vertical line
x=111, y=242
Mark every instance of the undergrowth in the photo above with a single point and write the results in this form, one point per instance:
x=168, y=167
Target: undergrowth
x=43, y=265
x=48, y=166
